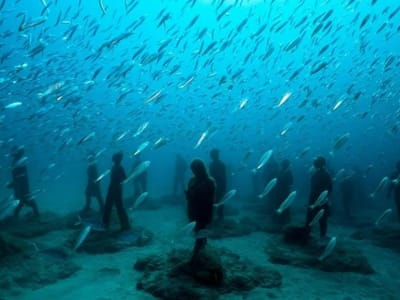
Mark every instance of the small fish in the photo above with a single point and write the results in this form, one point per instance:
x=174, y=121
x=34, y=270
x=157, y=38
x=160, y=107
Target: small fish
x=104, y=174
x=229, y=195
x=284, y=99
x=317, y=217
x=186, y=83
x=271, y=184
x=138, y=170
x=339, y=142
x=154, y=97
x=201, y=139
x=188, y=229
x=285, y=204
x=141, y=147
x=140, y=199
x=385, y=180
x=102, y=7
x=329, y=249
x=13, y=105
x=161, y=142
x=338, y=104
x=141, y=128
x=82, y=237
x=286, y=128
x=322, y=199
x=383, y=216
x=263, y=160
x=21, y=162
x=86, y=138
x=340, y=175
x=243, y=103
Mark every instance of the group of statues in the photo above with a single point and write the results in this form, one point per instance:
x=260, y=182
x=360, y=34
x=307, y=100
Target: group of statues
x=204, y=192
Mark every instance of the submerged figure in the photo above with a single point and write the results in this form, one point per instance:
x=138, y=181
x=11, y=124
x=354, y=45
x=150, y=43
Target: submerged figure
x=218, y=172
x=114, y=194
x=140, y=181
x=347, y=192
x=282, y=190
x=93, y=187
x=20, y=182
x=200, y=197
x=394, y=187
x=179, y=178
x=320, y=181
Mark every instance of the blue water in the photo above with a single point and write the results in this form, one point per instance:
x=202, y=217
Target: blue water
x=51, y=127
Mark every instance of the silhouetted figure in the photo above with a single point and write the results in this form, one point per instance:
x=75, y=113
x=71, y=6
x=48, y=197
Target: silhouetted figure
x=347, y=192
x=218, y=172
x=114, y=194
x=320, y=181
x=282, y=190
x=20, y=181
x=140, y=181
x=93, y=187
x=179, y=178
x=200, y=197
x=394, y=187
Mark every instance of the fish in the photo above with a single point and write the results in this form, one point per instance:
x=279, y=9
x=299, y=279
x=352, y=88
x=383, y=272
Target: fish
x=328, y=249
x=340, y=175
x=86, y=138
x=186, y=83
x=271, y=184
x=317, y=217
x=155, y=97
x=140, y=199
x=141, y=147
x=104, y=174
x=384, y=181
x=141, y=128
x=284, y=98
x=13, y=105
x=383, y=216
x=161, y=142
x=339, y=143
x=338, y=104
x=287, y=202
x=137, y=171
x=21, y=162
x=201, y=139
x=102, y=7
x=229, y=195
x=189, y=228
x=321, y=200
x=263, y=160
x=82, y=237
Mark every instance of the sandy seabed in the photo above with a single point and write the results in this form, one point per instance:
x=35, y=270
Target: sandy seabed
x=166, y=224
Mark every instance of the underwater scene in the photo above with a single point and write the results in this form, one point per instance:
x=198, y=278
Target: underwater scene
x=200, y=149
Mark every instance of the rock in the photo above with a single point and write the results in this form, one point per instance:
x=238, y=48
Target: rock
x=111, y=241
x=40, y=268
x=29, y=227
x=385, y=237
x=211, y=273
x=10, y=245
x=344, y=258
